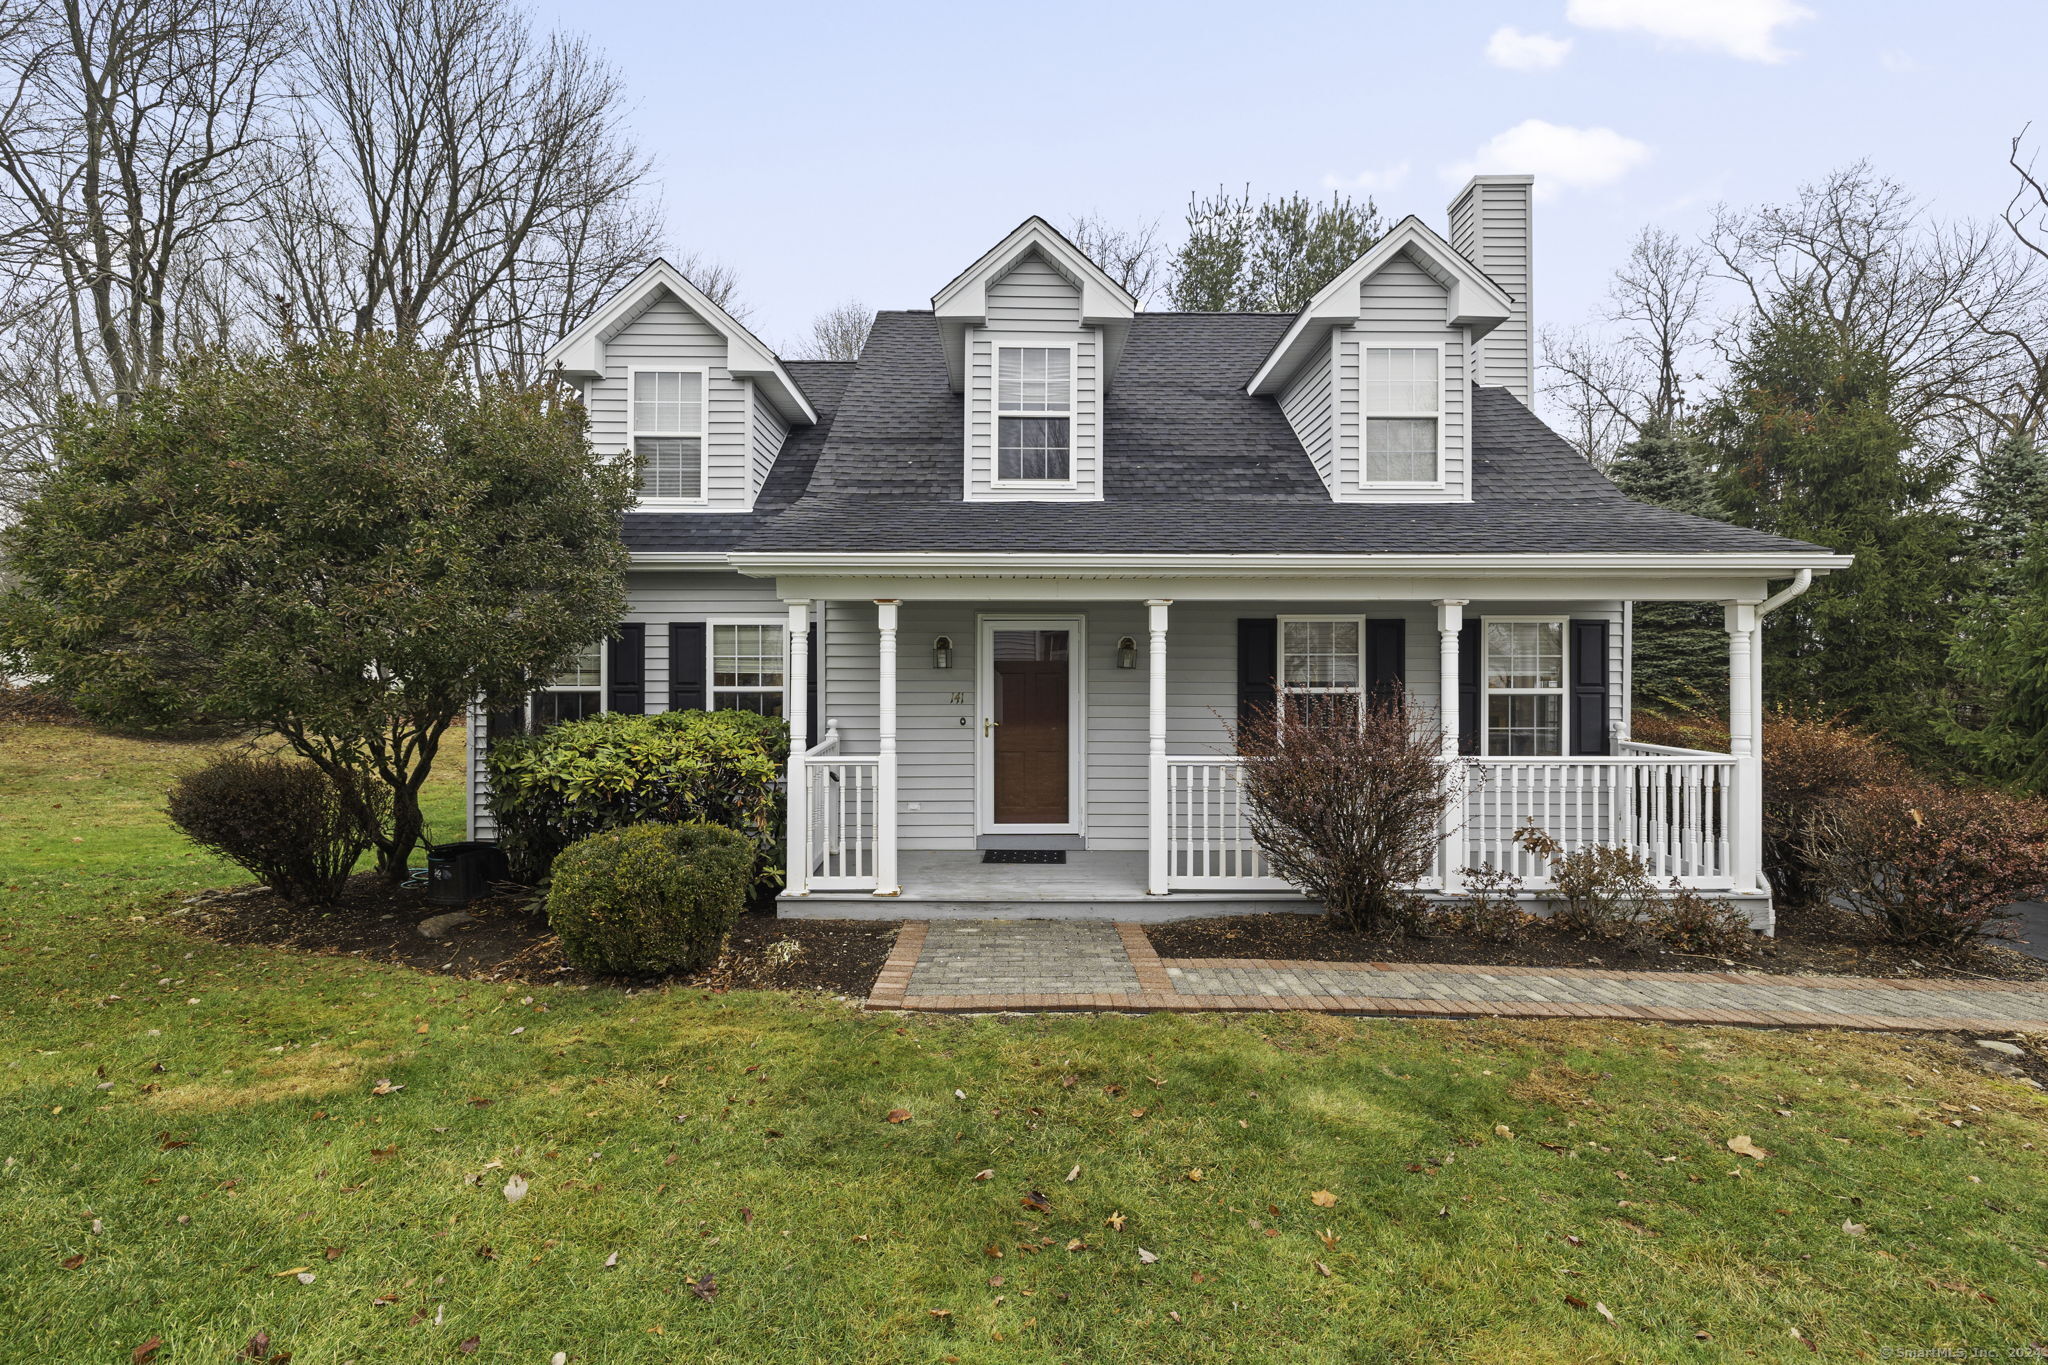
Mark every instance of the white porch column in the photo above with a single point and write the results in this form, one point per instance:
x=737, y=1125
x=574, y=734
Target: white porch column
x=1743, y=702
x=1157, y=863
x=1450, y=620
x=797, y=710
x=886, y=883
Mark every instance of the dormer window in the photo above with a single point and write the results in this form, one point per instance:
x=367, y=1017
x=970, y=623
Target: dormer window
x=1034, y=414
x=1403, y=396
x=667, y=429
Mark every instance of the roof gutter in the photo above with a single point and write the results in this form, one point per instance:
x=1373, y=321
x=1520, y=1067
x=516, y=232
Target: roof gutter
x=932, y=564
x=1778, y=599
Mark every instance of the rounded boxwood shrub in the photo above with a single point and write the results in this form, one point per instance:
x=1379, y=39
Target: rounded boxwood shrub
x=650, y=898
x=613, y=770
x=297, y=829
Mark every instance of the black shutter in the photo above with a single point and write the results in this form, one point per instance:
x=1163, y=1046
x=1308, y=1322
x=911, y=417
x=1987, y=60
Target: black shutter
x=504, y=723
x=1386, y=659
x=686, y=666
x=626, y=670
x=1469, y=719
x=1258, y=666
x=812, y=708
x=1589, y=687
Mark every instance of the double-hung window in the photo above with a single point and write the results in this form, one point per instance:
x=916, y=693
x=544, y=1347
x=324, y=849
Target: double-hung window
x=1523, y=674
x=668, y=434
x=747, y=670
x=575, y=692
x=1322, y=667
x=1034, y=414
x=1403, y=401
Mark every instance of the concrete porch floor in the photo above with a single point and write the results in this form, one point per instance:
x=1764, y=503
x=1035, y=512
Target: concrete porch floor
x=1089, y=885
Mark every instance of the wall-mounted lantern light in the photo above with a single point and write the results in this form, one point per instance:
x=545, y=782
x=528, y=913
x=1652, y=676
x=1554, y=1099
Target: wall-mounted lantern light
x=942, y=652
x=1127, y=653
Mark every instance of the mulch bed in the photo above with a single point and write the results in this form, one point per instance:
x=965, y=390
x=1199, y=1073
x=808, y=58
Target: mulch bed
x=508, y=939
x=1801, y=948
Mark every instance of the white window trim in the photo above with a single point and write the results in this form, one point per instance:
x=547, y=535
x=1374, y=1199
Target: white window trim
x=603, y=689
x=1563, y=691
x=1367, y=343
x=1280, y=685
x=703, y=433
x=998, y=342
x=779, y=624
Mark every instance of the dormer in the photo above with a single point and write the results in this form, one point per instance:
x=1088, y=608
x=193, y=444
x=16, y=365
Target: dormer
x=1032, y=333
x=674, y=382
x=1375, y=372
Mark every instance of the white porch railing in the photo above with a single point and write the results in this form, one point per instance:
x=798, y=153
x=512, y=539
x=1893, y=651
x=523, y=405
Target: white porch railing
x=839, y=794
x=1673, y=807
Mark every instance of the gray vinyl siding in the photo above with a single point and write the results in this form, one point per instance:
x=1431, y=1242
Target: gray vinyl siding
x=769, y=432
x=1034, y=297
x=938, y=710
x=1401, y=305
x=1492, y=227
x=1309, y=405
x=655, y=598
x=667, y=333
x=1034, y=301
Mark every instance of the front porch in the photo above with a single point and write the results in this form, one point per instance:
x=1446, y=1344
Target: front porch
x=893, y=802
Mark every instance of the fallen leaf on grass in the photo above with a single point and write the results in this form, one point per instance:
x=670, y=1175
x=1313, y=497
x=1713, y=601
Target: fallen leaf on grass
x=993, y=1250
x=899, y=1116
x=468, y=1345
x=73, y=1262
x=305, y=1277
x=1604, y=1311
x=1575, y=1301
x=1329, y=1237
x=1742, y=1146
x=1854, y=1229
x=515, y=1189
x=385, y=1087
x=1321, y=1269
x=146, y=1352
x=1116, y=1221
x=703, y=1286
x=1323, y=1199
x=287, y=1274
x=1036, y=1202
x=257, y=1349
x=1146, y=1257
x=1076, y=1244
x=940, y=1312
x=1502, y=1130
x=986, y=1174
x=332, y=1253
x=1073, y=1175
x=1195, y=1174
x=611, y=1262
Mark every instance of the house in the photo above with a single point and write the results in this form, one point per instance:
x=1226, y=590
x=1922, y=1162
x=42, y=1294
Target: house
x=1011, y=574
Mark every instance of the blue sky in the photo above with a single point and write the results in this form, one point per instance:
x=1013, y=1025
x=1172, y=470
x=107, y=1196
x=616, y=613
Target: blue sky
x=872, y=150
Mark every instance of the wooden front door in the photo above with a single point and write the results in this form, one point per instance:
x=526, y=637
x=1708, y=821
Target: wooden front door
x=1029, y=743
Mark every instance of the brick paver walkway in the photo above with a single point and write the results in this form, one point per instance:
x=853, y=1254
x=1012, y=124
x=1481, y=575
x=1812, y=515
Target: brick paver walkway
x=1053, y=964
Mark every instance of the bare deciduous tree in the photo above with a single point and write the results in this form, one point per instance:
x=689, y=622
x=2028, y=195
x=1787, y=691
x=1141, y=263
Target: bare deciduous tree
x=130, y=133
x=475, y=177
x=1595, y=390
x=1133, y=257
x=1659, y=296
x=719, y=281
x=838, y=333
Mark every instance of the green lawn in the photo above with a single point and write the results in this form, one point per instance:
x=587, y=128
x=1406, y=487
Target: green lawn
x=214, y=1110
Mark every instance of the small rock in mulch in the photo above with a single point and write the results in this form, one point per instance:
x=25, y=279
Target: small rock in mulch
x=2009, y=1049
x=438, y=926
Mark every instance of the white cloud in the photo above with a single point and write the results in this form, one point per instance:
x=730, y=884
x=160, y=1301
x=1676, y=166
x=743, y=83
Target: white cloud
x=1736, y=28
x=1578, y=158
x=1896, y=61
x=1372, y=182
x=1519, y=51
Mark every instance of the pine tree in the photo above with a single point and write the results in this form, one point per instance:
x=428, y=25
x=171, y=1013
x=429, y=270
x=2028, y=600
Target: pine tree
x=1808, y=446
x=2009, y=498
x=1679, y=650
x=2002, y=653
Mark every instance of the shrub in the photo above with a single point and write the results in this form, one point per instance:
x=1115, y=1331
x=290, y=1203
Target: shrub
x=650, y=898
x=1687, y=922
x=1930, y=865
x=1347, y=806
x=610, y=771
x=296, y=828
x=1605, y=892
x=1808, y=762
x=1487, y=909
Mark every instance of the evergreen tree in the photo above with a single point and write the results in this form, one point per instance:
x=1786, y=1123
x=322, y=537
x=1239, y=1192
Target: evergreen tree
x=1679, y=649
x=1808, y=446
x=2002, y=654
x=1270, y=256
x=2009, y=499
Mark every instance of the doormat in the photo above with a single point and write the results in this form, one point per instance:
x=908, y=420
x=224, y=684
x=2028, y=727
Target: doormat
x=1023, y=855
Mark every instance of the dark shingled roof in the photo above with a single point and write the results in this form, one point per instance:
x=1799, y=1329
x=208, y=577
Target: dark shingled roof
x=1192, y=465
